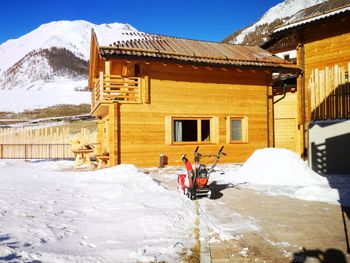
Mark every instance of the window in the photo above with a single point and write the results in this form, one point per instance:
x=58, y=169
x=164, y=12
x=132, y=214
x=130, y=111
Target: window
x=237, y=130
x=190, y=130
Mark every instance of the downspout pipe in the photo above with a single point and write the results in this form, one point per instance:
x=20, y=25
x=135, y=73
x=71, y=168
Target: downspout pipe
x=283, y=96
x=267, y=115
x=303, y=98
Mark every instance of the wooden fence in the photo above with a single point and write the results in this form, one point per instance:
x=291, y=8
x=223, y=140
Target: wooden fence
x=45, y=143
x=330, y=93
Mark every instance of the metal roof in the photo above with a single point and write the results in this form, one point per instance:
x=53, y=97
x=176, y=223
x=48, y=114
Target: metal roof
x=315, y=13
x=181, y=50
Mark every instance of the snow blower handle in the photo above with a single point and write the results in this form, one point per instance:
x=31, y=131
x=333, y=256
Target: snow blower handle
x=217, y=157
x=197, y=155
x=184, y=158
x=220, y=152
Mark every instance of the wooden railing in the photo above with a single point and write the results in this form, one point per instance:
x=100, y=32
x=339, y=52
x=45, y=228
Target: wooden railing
x=112, y=88
x=330, y=93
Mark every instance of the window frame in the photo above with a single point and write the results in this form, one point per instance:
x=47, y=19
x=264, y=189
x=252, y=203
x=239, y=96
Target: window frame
x=170, y=131
x=244, y=129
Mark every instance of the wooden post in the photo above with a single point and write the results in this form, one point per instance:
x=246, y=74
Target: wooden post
x=139, y=94
x=108, y=66
x=99, y=147
x=270, y=117
x=101, y=82
x=300, y=90
x=114, y=134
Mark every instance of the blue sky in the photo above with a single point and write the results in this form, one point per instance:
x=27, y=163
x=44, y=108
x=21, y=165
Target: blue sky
x=210, y=20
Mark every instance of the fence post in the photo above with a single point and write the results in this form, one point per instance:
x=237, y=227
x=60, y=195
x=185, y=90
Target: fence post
x=49, y=151
x=25, y=151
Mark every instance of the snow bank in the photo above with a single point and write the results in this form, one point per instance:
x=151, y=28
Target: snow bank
x=276, y=171
x=117, y=214
x=272, y=166
x=3, y=164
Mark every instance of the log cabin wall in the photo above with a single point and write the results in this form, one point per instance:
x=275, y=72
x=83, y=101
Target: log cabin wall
x=143, y=131
x=286, y=122
x=327, y=58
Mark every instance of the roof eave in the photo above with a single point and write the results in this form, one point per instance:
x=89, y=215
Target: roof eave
x=310, y=20
x=273, y=67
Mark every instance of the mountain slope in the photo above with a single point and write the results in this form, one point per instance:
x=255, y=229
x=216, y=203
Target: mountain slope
x=257, y=33
x=39, y=68
x=52, y=57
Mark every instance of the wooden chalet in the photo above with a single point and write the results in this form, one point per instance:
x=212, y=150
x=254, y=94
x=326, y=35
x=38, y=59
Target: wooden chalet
x=318, y=40
x=157, y=95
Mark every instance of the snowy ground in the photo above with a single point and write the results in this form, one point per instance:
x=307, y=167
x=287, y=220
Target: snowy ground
x=18, y=101
x=50, y=213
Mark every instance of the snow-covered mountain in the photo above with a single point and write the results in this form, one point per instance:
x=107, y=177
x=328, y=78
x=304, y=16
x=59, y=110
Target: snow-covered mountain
x=275, y=16
x=52, y=57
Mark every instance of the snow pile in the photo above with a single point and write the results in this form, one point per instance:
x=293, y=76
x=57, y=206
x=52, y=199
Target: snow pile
x=272, y=166
x=281, y=172
x=118, y=214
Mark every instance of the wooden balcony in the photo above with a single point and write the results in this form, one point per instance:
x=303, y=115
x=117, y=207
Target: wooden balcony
x=109, y=89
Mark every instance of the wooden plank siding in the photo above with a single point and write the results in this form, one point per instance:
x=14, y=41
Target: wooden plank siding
x=189, y=91
x=323, y=53
x=327, y=58
x=286, y=123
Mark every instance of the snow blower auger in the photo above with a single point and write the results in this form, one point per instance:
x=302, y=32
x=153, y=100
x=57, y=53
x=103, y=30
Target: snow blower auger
x=195, y=183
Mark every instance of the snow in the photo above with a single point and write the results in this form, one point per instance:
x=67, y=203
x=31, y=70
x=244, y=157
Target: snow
x=107, y=35
x=18, y=101
x=51, y=214
x=272, y=166
x=30, y=72
x=220, y=223
x=283, y=10
x=72, y=35
x=281, y=172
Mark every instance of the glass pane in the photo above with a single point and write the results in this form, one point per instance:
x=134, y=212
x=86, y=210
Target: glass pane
x=236, y=130
x=185, y=130
x=205, y=130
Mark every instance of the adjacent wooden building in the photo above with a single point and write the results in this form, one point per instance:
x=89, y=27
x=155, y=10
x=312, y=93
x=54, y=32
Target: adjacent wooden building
x=157, y=95
x=318, y=40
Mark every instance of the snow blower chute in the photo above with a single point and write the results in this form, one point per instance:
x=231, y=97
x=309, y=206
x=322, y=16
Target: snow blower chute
x=195, y=182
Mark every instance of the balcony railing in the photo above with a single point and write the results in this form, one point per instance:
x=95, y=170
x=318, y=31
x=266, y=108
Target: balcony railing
x=115, y=88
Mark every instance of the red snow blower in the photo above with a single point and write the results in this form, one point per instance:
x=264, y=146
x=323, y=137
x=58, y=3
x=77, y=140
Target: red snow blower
x=195, y=182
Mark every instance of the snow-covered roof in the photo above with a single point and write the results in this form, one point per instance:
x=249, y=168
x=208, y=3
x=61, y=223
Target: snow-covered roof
x=315, y=13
